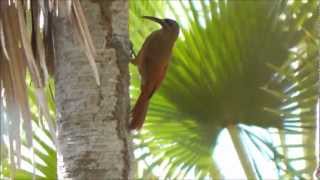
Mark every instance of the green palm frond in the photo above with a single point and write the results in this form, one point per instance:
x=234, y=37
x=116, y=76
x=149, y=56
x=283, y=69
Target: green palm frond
x=233, y=65
x=42, y=160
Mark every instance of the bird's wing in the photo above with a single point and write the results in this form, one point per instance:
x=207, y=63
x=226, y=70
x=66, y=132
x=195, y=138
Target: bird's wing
x=145, y=48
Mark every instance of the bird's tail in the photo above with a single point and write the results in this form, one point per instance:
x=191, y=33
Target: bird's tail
x=139, y=111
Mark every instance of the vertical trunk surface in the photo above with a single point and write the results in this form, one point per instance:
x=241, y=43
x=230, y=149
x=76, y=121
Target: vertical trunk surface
x=92, y=121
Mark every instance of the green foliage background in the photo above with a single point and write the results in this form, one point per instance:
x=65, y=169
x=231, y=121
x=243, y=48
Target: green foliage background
x=232, y=68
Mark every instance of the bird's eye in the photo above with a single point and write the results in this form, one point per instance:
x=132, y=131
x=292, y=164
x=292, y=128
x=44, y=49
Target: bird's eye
x=167, y=21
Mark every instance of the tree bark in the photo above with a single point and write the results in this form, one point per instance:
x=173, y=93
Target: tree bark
x=92, y=121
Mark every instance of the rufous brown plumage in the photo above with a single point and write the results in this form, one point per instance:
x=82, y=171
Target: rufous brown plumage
x=152, y=62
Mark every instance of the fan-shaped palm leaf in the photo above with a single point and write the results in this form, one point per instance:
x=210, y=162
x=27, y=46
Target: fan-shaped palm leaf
x=232, y=65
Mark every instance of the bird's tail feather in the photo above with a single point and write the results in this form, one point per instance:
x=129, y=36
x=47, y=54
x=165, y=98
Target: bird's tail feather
x=139, y=111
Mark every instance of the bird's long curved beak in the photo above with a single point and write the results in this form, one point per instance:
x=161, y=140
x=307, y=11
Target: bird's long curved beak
x=160, y=21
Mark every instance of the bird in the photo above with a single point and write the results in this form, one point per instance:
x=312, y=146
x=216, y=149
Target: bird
x=152, y=62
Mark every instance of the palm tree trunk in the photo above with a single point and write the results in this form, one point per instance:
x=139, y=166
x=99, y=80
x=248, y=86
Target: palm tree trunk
x=92, y=120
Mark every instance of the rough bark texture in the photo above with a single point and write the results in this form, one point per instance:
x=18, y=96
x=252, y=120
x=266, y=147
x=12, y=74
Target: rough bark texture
x=92, y=121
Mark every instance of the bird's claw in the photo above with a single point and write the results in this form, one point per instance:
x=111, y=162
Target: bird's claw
x=133, y=55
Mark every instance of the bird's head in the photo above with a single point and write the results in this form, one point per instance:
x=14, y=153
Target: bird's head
x=168, y=25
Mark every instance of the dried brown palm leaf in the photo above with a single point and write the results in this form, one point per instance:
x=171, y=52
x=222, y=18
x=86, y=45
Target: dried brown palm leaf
x=22, y=59
x=85, y=38
x=39, y=85
x=26, y=48
x=37, y=41
x=13, y=75
x=37, y=7
x=12, y=111
x=2, y=43
x=17, y=69
x=47, y=35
